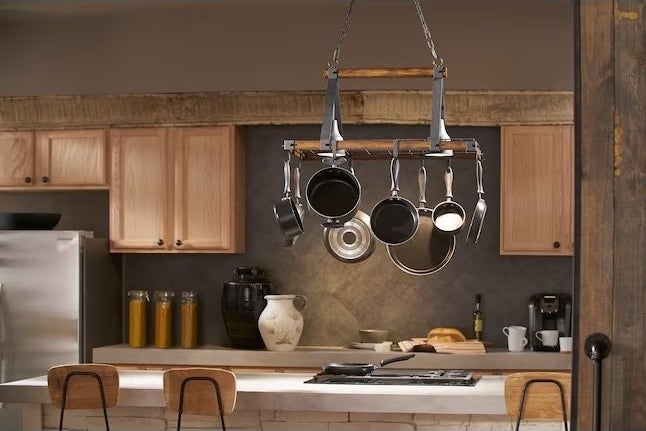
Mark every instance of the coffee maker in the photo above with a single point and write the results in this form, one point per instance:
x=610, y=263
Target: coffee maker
x=549, y=311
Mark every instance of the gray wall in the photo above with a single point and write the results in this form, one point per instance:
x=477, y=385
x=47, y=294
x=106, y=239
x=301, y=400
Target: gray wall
x=343, y=297
x=139, y=46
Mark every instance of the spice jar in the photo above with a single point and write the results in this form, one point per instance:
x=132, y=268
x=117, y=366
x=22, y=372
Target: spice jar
x=188, y=336
x=137, y=317
x=163, y=318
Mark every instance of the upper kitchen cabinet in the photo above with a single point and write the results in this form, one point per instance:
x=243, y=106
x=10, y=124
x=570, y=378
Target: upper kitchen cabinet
x=177, y=190
x=63, y=159
x=16, y=159
x=537, y=190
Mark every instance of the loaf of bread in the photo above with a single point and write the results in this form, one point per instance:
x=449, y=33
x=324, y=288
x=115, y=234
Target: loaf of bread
x=445, y=335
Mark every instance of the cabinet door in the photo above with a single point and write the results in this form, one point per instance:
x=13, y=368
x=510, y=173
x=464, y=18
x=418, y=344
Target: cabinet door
x=138, y=191
x=209, y=189
x=537, y=190
x=16, y=159
x=74, y=158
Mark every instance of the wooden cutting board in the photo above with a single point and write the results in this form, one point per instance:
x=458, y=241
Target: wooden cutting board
x=460, y=347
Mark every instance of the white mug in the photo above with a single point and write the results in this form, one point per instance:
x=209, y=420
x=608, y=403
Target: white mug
x=516, y=344
x=565, y=344
x=518, y=331
x=549, y=337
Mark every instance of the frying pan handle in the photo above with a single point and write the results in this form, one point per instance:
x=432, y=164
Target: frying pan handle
x=397, y=359
x=479, y=177
x=286, y=173
x=448, y=180
x=421, y=179
x=394, y=176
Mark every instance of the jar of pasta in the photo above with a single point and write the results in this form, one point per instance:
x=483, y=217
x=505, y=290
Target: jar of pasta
x=188, y=330
x=137, y=300
x=163, y=318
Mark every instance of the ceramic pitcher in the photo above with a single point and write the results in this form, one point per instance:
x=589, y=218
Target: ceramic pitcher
x=281, y=322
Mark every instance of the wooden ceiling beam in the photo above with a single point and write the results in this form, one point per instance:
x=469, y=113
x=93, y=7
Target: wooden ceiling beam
x=469, y=108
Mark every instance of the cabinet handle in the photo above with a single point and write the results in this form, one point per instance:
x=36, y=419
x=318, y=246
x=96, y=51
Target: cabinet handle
x=179, y=243
x=45, y=179
x=28, y=180
x=160, y=242
x=556, y=244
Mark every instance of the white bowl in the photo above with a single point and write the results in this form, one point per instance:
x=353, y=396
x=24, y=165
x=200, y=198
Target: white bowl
x=373, y=335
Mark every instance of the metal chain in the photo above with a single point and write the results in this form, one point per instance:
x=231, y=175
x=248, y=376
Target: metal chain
x=427, y=34
x=336, y=55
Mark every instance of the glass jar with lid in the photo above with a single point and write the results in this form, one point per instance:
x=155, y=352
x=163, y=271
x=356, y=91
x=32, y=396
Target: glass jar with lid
x=137, y=300
x=188, y=330
x=163, y=318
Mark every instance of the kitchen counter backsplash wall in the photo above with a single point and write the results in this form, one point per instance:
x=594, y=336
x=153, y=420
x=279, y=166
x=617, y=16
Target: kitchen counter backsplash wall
x=373, y=293
x=342, y=297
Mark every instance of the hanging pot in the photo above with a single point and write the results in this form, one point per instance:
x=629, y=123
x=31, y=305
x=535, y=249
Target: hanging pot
x=352, y=242
x=428, y=251
x=333, y=193
x=394, y=220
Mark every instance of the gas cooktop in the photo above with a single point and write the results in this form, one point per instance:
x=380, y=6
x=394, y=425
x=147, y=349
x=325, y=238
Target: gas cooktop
x=402, y=376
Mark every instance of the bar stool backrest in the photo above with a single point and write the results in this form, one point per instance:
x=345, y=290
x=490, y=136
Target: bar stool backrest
x=542, y=398
x=199, y=392
x=83, y=391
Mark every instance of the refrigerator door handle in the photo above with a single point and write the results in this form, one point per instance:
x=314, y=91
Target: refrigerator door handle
x=3, y=333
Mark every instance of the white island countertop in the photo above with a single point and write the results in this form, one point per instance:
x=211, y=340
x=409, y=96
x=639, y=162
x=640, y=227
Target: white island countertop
x=287, y=391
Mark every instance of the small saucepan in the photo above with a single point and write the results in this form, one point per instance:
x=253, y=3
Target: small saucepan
x=448, y=215
x=286, y=211
x=394, y=220
x=357, y=369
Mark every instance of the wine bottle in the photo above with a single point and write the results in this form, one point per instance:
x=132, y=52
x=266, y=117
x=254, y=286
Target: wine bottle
x=478, y=320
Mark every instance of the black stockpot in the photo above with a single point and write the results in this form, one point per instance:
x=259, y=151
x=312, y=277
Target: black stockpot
x=243, y=299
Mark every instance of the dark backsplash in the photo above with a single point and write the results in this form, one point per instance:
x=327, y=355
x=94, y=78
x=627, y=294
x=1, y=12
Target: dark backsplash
x=343, y=297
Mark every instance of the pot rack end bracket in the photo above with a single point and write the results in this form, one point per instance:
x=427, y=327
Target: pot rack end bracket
x=437, y=106
x=331, y=112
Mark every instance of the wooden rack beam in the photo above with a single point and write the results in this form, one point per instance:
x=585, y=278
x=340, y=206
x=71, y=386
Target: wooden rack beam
x=401, y=72
x=382, y=148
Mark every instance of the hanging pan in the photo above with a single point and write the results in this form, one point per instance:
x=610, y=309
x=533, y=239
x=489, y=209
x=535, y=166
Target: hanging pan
x=286, y=211
x=480, y=210
x=394, y=220
x=428, y=250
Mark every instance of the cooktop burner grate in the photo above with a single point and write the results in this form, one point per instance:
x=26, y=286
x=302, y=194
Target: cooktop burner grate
x=383, y=376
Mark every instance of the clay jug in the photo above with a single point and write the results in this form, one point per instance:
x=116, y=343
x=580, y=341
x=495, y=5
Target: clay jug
x=281, y=322
x=243, y=299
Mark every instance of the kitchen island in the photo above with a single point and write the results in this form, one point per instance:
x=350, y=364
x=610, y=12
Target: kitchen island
x=282, y=401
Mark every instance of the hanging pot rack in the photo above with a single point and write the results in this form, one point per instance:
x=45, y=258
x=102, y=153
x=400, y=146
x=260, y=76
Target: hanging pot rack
x=331, y=142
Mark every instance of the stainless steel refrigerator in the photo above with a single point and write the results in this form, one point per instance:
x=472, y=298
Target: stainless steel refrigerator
x=60, y=296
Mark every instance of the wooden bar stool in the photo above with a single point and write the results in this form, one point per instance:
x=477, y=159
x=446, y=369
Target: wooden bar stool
x=538, y=395
x=200, y=391
x=83, y=386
